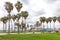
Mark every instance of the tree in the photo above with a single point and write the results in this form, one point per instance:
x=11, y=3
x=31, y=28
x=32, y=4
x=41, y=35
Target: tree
x=50, y=19
x=14, y=18
x=18, y=25
x=47, y=22
x=23, y=25
x=42, y=19
x=18, y=17
x=58, y=19
x=28, y=26
x=4, y=20
x=54, y=20
x=25, y=15
x=9, y=8
x=37, y=24
x=18, y=6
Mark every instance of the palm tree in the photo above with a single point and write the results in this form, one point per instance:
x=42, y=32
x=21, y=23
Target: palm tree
x=18, y=6
x=4, y=20
x=25, y=15
x=18, y=25
x=47, y=22
x=42, y=19
x=9, y=8
x=50, y=19
x=58, y=19
x=18, y=17
x=37, y=24
x=54, y=20
x=14, y=18
x=23, y=25
x=27, y=25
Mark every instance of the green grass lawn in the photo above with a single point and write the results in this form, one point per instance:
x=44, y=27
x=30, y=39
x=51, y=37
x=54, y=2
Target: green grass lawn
x=43, y=36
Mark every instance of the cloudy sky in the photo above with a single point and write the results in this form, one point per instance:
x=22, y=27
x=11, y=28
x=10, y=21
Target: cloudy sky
x=36, y=8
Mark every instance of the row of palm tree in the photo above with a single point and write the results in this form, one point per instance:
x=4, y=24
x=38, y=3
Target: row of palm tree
x=23, y=14
x=50, y=19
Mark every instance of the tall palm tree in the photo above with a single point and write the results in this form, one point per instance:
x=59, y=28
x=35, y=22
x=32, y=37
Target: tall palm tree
x=47, y=22
x=42, y=19
x=18, y=17
x=50, y=19
x=23, y=25
x=58, y=19
x=25, y=15
x=18, y=6
x=54, y=20
x=14, y=18
x=18, y=25
x=27, y=25
x=9, y=8
x=37, y=24
x=4, y=20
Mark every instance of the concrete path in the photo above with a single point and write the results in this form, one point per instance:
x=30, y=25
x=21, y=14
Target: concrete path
x=21, y=33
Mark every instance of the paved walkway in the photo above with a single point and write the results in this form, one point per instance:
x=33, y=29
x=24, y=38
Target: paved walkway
x=21, y=33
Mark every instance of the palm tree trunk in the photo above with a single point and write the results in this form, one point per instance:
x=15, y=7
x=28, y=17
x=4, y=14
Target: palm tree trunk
x=54, y=26
x=14, y=26
x=22, y=24
x=50, y=25
x=25, y=24
x=6, y=27
x=9, y=27
x=59, y=22
x=43, y=28
x=18, y=27
x=37, y=28
x=22, y=29
x=43, y=25
x=3, y=27
x=47, y=25
x=9, y=24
